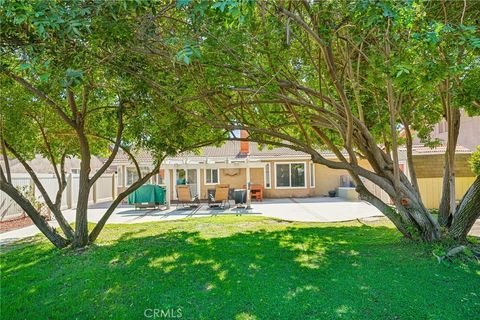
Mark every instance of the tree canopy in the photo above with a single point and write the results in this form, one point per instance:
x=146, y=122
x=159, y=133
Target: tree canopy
x=71, y=89
x=343, y=76
x=358, y=78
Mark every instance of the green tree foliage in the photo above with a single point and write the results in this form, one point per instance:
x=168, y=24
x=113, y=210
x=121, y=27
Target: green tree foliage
x=70, y=87
x=474, y=162
x=343, y=76
x=357, y=78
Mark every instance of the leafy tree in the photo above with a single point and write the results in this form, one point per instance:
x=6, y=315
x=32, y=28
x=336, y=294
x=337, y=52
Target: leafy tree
x=339, y=76
x=68, y=89
x=475, y=162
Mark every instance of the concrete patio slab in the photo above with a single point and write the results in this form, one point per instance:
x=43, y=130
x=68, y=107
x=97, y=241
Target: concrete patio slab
x=319, y=209
x=292, y=209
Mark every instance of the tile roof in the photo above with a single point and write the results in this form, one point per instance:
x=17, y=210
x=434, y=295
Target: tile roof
x=231, y=150
x=420, y=149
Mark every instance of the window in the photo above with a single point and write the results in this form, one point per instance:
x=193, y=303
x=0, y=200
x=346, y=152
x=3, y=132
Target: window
x=267, y=176
x=132, y=175
x=312, y=175
x=211, y=176
x=290, y=175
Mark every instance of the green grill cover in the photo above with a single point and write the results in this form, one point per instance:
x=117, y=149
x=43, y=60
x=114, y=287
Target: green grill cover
x=147, y=193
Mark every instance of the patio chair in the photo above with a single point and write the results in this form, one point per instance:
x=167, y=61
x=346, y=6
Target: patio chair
x=221, y=198
x=185, y=198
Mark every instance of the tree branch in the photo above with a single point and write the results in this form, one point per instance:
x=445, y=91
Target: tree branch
x=113, y=154
x=55, y=210
x=42, y=96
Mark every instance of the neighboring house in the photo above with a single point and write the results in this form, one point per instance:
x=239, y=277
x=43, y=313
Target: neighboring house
x=40, y=164
x=468, y=137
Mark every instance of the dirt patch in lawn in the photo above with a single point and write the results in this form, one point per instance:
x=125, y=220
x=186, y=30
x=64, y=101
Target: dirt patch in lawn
x=15, y=224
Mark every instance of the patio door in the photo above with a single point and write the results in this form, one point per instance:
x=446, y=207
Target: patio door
x=188, y=177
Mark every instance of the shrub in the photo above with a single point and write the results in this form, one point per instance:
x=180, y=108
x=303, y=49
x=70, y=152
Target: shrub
x=475, y=162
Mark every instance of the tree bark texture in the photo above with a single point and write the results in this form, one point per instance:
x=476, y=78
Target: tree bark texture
x=467, y=213
x=447, y=202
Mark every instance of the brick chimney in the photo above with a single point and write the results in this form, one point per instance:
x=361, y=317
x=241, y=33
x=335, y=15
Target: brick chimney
x=244, y=145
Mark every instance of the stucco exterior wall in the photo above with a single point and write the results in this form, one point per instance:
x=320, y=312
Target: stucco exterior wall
x=257, y=176
x=326, y=179
x=275, y=192
x=236, y=178
x=469, y=135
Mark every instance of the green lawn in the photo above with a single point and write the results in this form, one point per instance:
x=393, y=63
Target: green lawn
x=238, y=268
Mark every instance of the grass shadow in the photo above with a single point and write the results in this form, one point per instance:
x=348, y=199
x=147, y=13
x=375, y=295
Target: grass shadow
x=239, y=268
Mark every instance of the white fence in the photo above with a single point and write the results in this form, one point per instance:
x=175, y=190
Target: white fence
x=104, y=189
x=8, y=208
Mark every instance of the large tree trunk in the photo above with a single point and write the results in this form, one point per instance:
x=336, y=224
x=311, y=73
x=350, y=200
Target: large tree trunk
x=81, y=219
x=6, y=161
x=37, y=219
x=101, y=223
x=467, y=212
x=81, y=222
x=409, y=216
x=447, y=202
x=421, y=219
x=387, y=210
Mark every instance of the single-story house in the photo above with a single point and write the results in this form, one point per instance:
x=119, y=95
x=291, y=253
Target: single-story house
x=282, y=172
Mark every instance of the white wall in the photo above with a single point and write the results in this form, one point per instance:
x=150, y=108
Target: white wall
x=103, y=190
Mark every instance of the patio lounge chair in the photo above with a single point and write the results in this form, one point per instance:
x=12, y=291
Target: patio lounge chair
x=221, y=198
x=185, y=198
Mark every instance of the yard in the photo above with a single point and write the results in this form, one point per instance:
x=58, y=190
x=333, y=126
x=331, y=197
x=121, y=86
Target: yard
x=238, y=268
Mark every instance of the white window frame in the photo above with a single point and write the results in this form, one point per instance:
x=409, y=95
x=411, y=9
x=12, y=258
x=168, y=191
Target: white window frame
x=269, y=180
x=290, y=174
x=312, y=175
x=174, y=172
x=141, y=167
x=205, y=176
